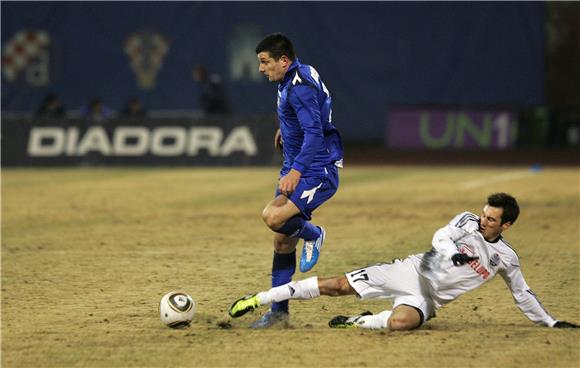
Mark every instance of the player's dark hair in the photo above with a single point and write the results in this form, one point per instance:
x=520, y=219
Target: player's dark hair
x=277, y=45
x=511, y=209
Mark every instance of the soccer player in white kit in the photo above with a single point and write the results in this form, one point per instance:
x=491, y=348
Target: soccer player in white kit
x=466, y=253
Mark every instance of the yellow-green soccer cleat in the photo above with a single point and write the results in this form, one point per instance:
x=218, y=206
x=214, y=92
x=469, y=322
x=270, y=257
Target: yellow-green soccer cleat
x=244, y=305
x=347, y=322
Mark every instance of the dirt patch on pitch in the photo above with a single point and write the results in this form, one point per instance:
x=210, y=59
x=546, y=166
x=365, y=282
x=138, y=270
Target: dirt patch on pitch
x=87, y=254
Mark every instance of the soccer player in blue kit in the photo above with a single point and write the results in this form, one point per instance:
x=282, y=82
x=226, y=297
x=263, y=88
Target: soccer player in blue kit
x=312, y=150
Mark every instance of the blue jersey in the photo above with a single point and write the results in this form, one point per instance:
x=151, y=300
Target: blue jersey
x=310, y=140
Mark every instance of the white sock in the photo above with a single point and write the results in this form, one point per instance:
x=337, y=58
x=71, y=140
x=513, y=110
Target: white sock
x=304, y=289
x=374, y=321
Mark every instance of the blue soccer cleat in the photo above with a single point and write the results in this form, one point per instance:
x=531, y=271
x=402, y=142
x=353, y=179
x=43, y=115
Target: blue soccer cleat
x=271, y=319
x=311, y=252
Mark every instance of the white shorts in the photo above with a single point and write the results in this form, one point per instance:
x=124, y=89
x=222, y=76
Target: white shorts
x=398, y=281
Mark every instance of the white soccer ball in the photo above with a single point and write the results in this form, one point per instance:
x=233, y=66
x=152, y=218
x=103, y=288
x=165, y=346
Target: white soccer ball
x=176, y=309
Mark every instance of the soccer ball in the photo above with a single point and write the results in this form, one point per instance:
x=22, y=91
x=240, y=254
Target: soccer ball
x=176, y=309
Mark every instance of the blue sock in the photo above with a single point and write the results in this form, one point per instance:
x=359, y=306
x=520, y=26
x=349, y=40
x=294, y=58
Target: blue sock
x=298, y=227
x=293, y=226
x=283, y=267
x=309, y=231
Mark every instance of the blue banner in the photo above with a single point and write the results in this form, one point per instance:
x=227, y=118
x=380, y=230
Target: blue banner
x=370, y=54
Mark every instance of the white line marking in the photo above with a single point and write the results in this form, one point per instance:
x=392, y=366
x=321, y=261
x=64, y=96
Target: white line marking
x=472, y=184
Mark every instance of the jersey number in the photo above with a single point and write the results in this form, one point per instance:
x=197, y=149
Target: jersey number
x=361, y=276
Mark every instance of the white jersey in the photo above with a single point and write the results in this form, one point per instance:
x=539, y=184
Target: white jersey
x=447, y=282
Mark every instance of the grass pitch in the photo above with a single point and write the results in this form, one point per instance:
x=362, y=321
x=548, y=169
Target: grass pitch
x=88, y=253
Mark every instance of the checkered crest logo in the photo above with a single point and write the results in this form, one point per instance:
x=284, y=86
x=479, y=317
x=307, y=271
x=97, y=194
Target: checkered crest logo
x=146, y=52
x=27, y=54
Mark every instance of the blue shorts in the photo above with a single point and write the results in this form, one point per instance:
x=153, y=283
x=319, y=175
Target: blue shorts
x=313, y=192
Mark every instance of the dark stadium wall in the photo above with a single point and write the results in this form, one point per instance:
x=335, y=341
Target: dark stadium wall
x=370, y=55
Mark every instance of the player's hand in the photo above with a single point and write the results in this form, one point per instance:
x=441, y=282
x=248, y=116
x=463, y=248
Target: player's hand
x=278, y=142
x=564, y=324
x=288, y=183
x=459, y=259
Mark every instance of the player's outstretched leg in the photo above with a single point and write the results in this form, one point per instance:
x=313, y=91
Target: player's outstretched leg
x=311, y=251
x=304, y=289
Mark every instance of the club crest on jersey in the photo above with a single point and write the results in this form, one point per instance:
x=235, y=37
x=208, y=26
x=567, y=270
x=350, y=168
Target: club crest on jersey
x=494, y=260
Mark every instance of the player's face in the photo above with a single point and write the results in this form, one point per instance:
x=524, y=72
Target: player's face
x=273, y=69
x=490, y=223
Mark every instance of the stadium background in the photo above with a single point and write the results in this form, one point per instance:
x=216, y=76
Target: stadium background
x=88, y=250
x=485, y=75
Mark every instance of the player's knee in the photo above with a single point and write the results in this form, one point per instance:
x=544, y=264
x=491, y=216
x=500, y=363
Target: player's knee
x=402, y=323
x=271, y=218
x=344, y=286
